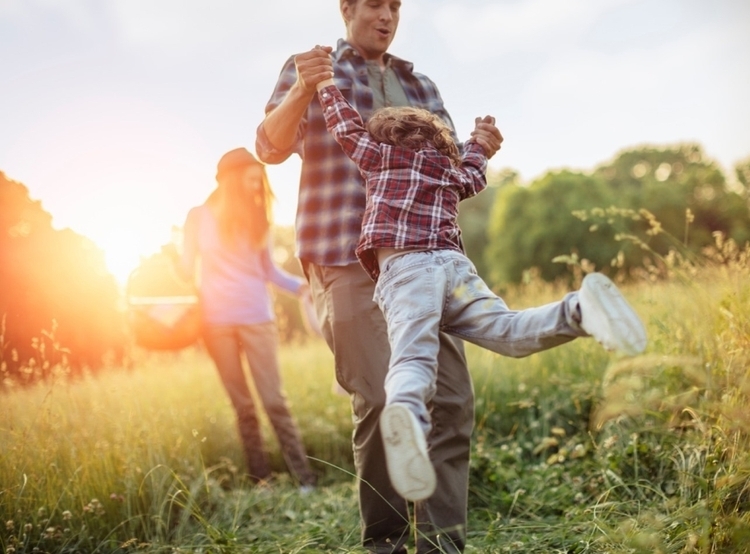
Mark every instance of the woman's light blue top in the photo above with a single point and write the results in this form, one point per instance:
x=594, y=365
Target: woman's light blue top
x=232, y=282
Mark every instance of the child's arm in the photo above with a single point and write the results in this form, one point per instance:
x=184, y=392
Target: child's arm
x=473, y=168
x=346, y=126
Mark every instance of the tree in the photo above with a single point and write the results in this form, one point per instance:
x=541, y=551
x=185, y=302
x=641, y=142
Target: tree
x=685, y=191
x=52, y=276
x=661, y=199
x=530, y=226
x=474, y=213
x=742, y=172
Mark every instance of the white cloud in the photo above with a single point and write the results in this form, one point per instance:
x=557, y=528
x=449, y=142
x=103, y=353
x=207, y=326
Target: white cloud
x=497, y=28
x=74, y=13
x=190, y=26
x=13, y=9
x=570, y=82
x=599, y=103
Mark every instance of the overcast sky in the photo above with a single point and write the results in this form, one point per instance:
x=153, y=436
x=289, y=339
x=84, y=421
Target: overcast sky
x=114, y=112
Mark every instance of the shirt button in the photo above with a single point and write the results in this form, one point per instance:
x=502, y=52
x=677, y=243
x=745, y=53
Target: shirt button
x=326, y=95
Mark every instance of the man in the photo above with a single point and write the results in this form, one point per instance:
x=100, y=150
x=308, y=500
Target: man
x=329, y=216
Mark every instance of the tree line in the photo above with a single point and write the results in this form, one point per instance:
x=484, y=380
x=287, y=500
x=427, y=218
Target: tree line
x=620, y=217
x=60, y=307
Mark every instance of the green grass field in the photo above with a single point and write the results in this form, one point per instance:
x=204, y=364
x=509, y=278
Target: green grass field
x=576, y=450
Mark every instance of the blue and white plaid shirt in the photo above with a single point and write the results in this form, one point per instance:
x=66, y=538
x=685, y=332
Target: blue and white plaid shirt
x=332, y=192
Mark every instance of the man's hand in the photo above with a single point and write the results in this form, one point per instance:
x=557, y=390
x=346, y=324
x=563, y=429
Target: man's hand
x=313, y=67
x=487, y=135
x=282, y=123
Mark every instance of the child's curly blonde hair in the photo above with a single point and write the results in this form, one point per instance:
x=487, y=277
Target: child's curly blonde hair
x=413, y=128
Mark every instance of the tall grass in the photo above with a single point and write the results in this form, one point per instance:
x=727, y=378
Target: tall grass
x=576, y=450
x=583, y=451
x=151, y=455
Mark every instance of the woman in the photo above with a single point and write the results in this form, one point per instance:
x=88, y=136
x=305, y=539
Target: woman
x=227, y=253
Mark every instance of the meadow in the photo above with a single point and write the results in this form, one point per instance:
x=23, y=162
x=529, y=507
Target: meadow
x=576, y=450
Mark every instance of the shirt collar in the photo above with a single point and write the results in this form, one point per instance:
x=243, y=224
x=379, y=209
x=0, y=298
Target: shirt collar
x=345, y=51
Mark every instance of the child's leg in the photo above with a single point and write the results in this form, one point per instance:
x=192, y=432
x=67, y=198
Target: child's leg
x=410, y=294
x=474, y=313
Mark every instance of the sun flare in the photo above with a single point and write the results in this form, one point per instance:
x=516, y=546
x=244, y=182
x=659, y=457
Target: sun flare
x=122, y=173
x=119, y=172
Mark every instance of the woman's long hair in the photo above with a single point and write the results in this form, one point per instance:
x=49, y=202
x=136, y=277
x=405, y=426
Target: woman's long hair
x=242, y=212
x=413, y=128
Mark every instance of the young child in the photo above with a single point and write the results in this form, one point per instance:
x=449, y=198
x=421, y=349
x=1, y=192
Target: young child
x=410, y=245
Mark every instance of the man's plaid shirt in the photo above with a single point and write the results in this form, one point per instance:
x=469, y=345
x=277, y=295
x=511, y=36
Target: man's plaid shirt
x=412, y=196
x=332, y=193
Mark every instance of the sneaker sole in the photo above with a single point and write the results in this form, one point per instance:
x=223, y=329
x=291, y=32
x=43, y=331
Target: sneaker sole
x=409, y=467
x=620, y=323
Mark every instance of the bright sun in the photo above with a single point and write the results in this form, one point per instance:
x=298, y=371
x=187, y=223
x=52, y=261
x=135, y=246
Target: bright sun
x=128, y=218
x=118, y=171
x=123, y=173
x=124, y=247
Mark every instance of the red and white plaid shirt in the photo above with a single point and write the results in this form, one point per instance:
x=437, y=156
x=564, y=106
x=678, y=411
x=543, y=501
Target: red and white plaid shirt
x=412, y=196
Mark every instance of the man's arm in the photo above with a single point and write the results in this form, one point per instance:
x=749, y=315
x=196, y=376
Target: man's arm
x=281, y=124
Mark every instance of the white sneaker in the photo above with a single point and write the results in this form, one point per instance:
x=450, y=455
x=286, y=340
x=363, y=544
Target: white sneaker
x=607, y=316
x=409, y=465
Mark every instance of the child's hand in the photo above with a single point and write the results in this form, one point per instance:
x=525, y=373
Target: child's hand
x=487, y=135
